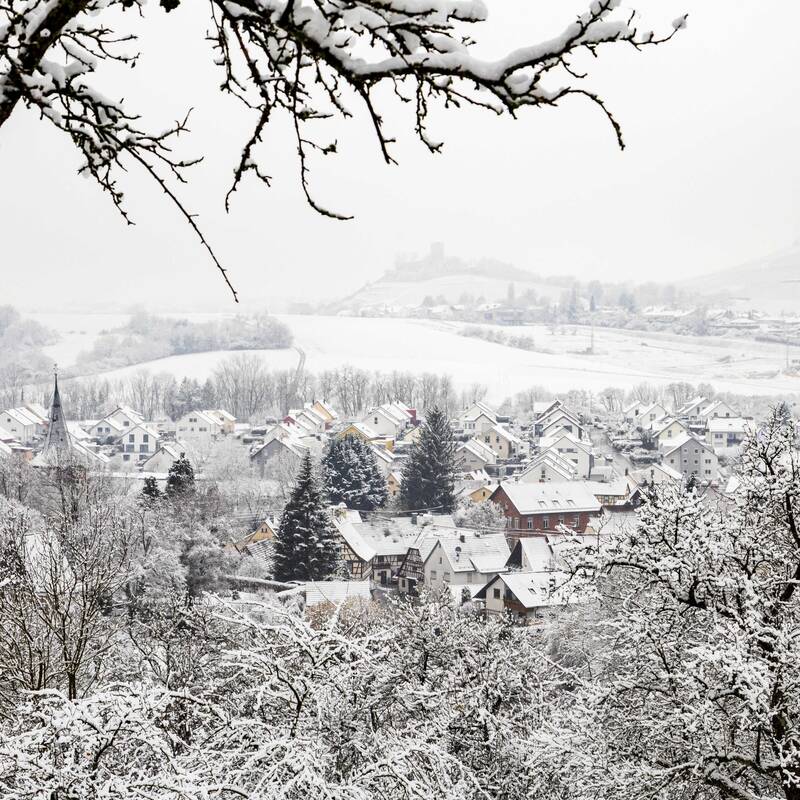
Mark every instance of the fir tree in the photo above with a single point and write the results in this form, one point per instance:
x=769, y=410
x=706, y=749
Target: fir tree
x=352, y=475
x=306, y=546
x=150, y=491
x=180, y=479
x=429, y=474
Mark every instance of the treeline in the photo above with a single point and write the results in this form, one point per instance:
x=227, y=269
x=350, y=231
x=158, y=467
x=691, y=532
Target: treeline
x=147, y=337
x=244, y=385
x=498, y=337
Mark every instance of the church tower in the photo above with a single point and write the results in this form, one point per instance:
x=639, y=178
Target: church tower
x=57, y=441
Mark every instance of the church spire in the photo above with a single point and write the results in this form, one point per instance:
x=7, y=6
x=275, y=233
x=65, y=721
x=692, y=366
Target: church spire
x=57, y=440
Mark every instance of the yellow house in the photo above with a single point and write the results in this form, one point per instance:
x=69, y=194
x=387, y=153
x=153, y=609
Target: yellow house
x=393, y=482
x=481, y=493
x=324, y=410
x=360, y=431
x=264, y=531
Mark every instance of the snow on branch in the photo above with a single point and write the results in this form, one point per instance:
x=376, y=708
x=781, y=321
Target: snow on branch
x=315, y=60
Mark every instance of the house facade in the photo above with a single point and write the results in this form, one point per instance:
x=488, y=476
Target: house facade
x=692, y=457
x=139, y=443
x=532, y=508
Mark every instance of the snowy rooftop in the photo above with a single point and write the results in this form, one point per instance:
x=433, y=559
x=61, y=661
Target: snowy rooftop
x=566, y=496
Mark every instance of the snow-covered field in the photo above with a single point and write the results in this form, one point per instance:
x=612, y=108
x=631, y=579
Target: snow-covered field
x=622, y=358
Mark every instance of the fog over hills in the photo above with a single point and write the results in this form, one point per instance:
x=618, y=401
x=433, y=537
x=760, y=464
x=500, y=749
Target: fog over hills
x=771, y=283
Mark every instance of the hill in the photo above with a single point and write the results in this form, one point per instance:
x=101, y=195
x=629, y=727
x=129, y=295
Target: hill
x=442, y=277
x=770, y=284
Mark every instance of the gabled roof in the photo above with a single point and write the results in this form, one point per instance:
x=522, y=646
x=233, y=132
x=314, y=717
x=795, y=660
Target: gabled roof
x=38, y=411
x=506, y=434
x=127, y=411
x=631, y=407
x=149, y=429
x=712, y=407
x=22, y=416
x=387, y=456
x=542, y=407
x=473, y=551
x=111, y=423
x=550, y=497
x=332, y=415
x=203, y=416
x=172, y=449
x=643, y=474
x=533, y=589
x=660, y=425
x=551, y=459
x=692, y=405
x=477, y=409
x=683, y=439
x=547, y=442
x=479, y=450
x=556, y=414
x=221, y=413
x=364, y=430
x=355, y=541
x=6, y=436
x=652, y=407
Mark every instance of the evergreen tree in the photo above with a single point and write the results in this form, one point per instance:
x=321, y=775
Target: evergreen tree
x=180, y=479
x=352, y=475
x=429, y=473
x=150, y=491
x=306, y=547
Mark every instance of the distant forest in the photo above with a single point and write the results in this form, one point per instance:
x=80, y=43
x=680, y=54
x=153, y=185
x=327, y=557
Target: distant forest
x=147, y=337
x=21, y=340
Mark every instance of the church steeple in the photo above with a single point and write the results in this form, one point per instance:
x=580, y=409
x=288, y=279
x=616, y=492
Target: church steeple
x=57, y=440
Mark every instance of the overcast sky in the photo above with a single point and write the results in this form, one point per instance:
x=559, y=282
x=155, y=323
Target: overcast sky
x=709, y=178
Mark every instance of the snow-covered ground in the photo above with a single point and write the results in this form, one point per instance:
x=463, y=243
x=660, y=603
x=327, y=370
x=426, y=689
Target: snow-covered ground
x=622, y=358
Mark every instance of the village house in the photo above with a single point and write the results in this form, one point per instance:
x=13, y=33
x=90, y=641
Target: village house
x=474, y=455
x=164, y=457
x=360, y=430
x=385, y=459
x=560, y=419
x=281, y=452
x=106, y=430
x=541, y=507
x=726, y=434
x=25, y=425
x=199, y=425
x=719, y=409
x=524, y=596
x=138, y=443
x=692, y=457
x=357, y=554
x=504, y=443
x=125, y=417
x=615, y=494
x=324, y=410
x=549, y=466
x=465, y=557
x=394, y=482
x=650, y=414
x=690, y=411
x=389, y=420
x=655, y=475
x=478, y=418
x=569, y=447
x=227, y=420
x=667, y=430
x=632, y=410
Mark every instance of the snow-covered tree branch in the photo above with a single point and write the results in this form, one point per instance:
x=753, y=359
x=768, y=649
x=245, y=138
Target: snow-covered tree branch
x=315, y=60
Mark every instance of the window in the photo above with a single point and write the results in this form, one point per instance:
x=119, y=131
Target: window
x=126, y=457
x=469, y=577
x=440, y=559
x=143, y=448
x=433, y=574
x=374, y=420
x=446, y=577
x=131, y=437
x=560, y=519
x=516, y=522
x=496, y=594
x=576, y=520
x=545, y=522
x=530, y=523
x=146, y=437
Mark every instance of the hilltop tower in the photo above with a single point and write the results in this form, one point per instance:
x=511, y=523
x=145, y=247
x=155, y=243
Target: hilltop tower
x=57, y=441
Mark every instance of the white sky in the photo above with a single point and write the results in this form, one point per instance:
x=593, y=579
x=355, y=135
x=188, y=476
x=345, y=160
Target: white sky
x=709, y=178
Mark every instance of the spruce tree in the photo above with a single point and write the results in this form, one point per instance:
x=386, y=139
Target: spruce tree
x=150, y=490
x=429, y=473
x=306, y=545
x=352, y=475
x=180, y=478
